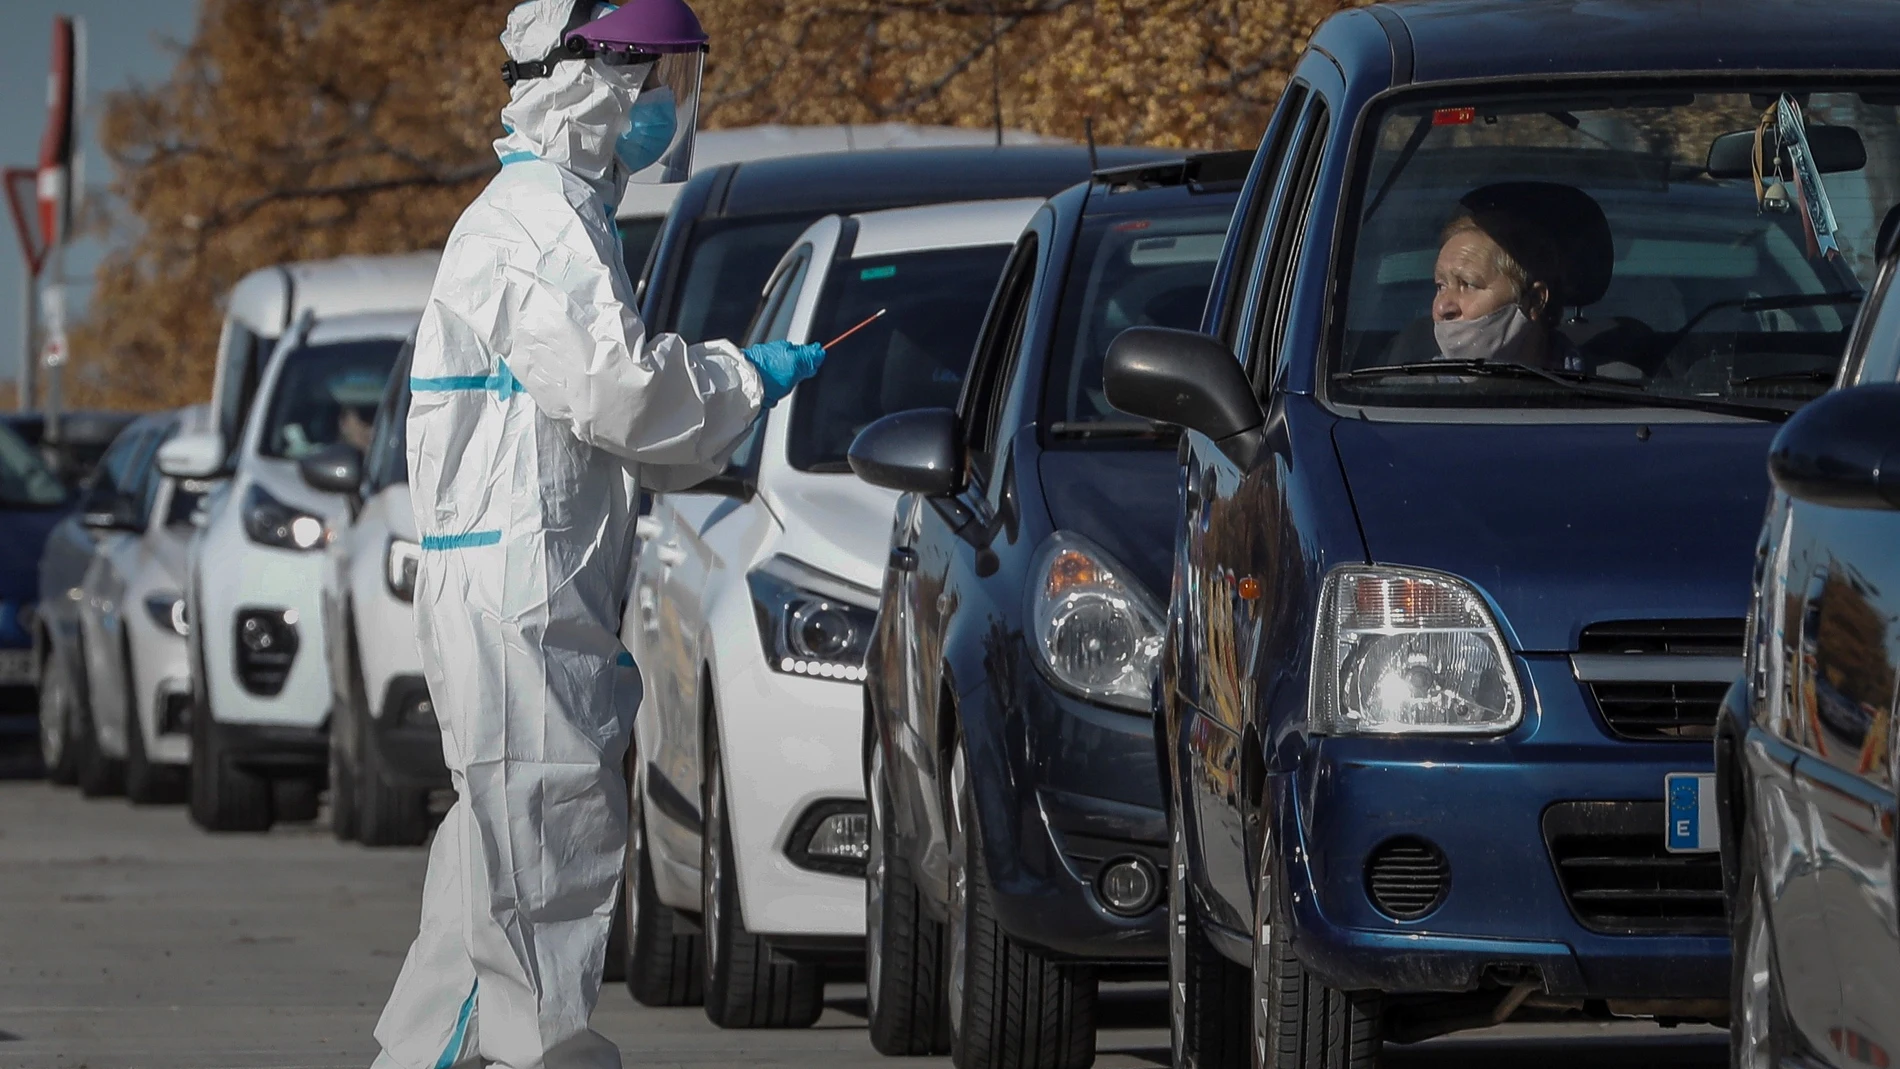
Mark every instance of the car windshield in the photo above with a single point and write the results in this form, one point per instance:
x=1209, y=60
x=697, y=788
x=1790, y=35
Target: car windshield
x=25, y=480
x=914, y=357
x=1128, y=272
x=727, y=264
x=1613, y=250
x=328, y=394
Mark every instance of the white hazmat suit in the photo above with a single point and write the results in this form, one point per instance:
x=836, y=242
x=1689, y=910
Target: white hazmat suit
x=539, y=408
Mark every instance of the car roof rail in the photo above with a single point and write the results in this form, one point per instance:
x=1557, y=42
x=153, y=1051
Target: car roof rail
x=1199, y=171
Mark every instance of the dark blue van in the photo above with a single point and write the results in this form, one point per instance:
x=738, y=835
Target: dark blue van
x=1515, y=298
x=32, y=502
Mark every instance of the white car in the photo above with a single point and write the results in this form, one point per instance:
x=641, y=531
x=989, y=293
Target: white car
x=261, y=699
x=385, y=745
x=753, y=600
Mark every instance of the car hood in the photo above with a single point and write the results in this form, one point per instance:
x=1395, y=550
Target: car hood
x=1564, y=525
x=1124, y=500
x=23, y=532
x=835, y=523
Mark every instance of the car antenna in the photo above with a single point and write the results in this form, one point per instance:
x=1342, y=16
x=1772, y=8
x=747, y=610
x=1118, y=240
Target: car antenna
x=874, y=317
x=1088, y=130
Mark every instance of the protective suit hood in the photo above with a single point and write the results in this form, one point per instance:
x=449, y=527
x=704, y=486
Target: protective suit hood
x=572, y=117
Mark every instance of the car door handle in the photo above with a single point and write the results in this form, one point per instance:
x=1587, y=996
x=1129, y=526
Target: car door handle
x=903, y=558
x=670, y=555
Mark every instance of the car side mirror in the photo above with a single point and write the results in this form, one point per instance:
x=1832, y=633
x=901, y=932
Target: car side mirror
x=733, y=483
x=1180, y=377
x=192, y=456
x=116, y=513
x=1843, y=450
x=919, y=451
x=334, y=469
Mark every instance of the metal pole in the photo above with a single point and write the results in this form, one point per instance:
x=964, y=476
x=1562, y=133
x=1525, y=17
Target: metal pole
x=56, y=368
x=29, y=338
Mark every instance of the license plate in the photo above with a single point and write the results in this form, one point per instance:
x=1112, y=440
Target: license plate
x=16, y=667
x=1689, y=800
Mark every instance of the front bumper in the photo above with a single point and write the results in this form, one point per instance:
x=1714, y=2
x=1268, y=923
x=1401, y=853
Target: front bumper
x=274, y=749
x=1489, y=806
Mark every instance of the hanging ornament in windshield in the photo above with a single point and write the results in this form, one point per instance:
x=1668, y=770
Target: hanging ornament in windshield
x=1817, y=216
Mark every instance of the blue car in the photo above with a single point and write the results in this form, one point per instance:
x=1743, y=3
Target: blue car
x=32, y=502
x=1475, y=453
x=1017, y=836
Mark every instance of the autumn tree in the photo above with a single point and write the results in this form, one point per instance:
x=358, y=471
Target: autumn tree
x=303, y=129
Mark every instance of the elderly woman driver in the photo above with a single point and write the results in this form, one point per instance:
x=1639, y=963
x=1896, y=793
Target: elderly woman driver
x=1499, y=287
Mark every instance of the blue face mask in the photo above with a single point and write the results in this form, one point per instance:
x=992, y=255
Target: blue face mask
x=654, y=122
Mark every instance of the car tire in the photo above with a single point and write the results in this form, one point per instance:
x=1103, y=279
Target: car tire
x=747, y=983
x=296, y=799
x=1298, y=1021
x=1207, y=994
x=907, y=1012
x=224, y=797
x=99, y=776
x=342, y=789
x=387, y=813
x=56, y=723
x=1010, y=1008
x=661, y=955
x=146, y=783
x=1757, y=1025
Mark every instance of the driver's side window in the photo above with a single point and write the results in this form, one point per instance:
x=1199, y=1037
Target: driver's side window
x=981, y=408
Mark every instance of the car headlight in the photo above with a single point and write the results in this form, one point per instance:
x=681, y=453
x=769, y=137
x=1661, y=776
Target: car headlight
x=399, y=567
x=1098, y=633
x=168, y=611
x=812, y=623
x=1400, y=651
x=270, y=522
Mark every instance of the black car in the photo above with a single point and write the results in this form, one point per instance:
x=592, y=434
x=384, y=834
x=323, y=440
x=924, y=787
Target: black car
x=1808, y=753
x=706, y=272
x=1017, y=837
x=1452, y=619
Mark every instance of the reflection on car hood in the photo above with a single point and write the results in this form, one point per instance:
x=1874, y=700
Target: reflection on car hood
x=1124, y=500
x=1566, y=525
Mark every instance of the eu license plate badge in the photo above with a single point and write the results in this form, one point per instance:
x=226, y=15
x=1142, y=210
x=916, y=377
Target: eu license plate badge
x=1689, y=808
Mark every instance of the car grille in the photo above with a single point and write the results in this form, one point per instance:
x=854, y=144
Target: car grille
x=1620, y=879
x=1660, y=679
x=1407, y=878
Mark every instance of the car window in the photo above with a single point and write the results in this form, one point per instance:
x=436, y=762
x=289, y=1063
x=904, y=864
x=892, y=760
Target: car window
x=980, y=406
x=147, y=476
x=913, y=357
x=636, y=242
x=1619, y=253
x=388, y=461
x=1128, y=272
x=727, y=263
x=1246, y=237
x=327, y=394
x=25, y=480
x=774, y=319
x=1288, y=239
x=1875, y=354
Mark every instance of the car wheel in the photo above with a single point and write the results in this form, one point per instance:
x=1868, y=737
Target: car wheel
x=1207, y=994
x=387, y=812
x=56, y=723
x=1756, y=1025
x=224, y=797
x=661, y=952
x=747, y=983
x=342, y=789
x=99, y=775
x=903, y=947
x=145, y=783
x=1009, y=1006
x=1298, y=1021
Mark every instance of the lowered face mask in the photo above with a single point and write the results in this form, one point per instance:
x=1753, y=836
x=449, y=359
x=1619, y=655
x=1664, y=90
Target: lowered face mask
x=1505, y=336
x=653, y=123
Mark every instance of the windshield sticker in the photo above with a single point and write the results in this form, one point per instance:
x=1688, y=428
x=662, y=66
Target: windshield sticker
x=872, y=273
x=1454, y=116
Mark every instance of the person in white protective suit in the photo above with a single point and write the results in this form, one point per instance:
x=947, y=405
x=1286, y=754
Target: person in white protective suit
x=540, y=409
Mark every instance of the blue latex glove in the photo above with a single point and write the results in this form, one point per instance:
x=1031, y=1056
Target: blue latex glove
x=783, y=365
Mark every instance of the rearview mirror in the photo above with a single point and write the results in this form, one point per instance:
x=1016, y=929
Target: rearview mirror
x=335, y=469
x=192, y=456
x=1835, y=148
x=919, y=451
x=118, y=513
x=1843, y=450
x=1180, y=377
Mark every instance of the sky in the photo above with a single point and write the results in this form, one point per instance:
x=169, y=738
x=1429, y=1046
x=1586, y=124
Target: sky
x=127, y=44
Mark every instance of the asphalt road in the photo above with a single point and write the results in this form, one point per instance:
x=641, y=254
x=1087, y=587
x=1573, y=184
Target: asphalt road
x=129, y=940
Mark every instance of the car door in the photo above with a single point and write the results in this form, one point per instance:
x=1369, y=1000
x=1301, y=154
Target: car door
x=1850, y=647
x=103, y=609
x=1230, y=515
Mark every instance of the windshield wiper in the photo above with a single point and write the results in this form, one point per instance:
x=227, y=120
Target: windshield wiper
x=1806, y=374
x=1576, y=382
x=1775, y=303
x=1102, y=429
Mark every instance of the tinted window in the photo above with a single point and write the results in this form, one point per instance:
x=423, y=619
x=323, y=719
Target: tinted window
x=389, y=455
x=327, y=394
x=914, y=357
x=636, y=241
x=727, y=265
x=25, y=480
x=1693, y=292
x=1128, y=272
